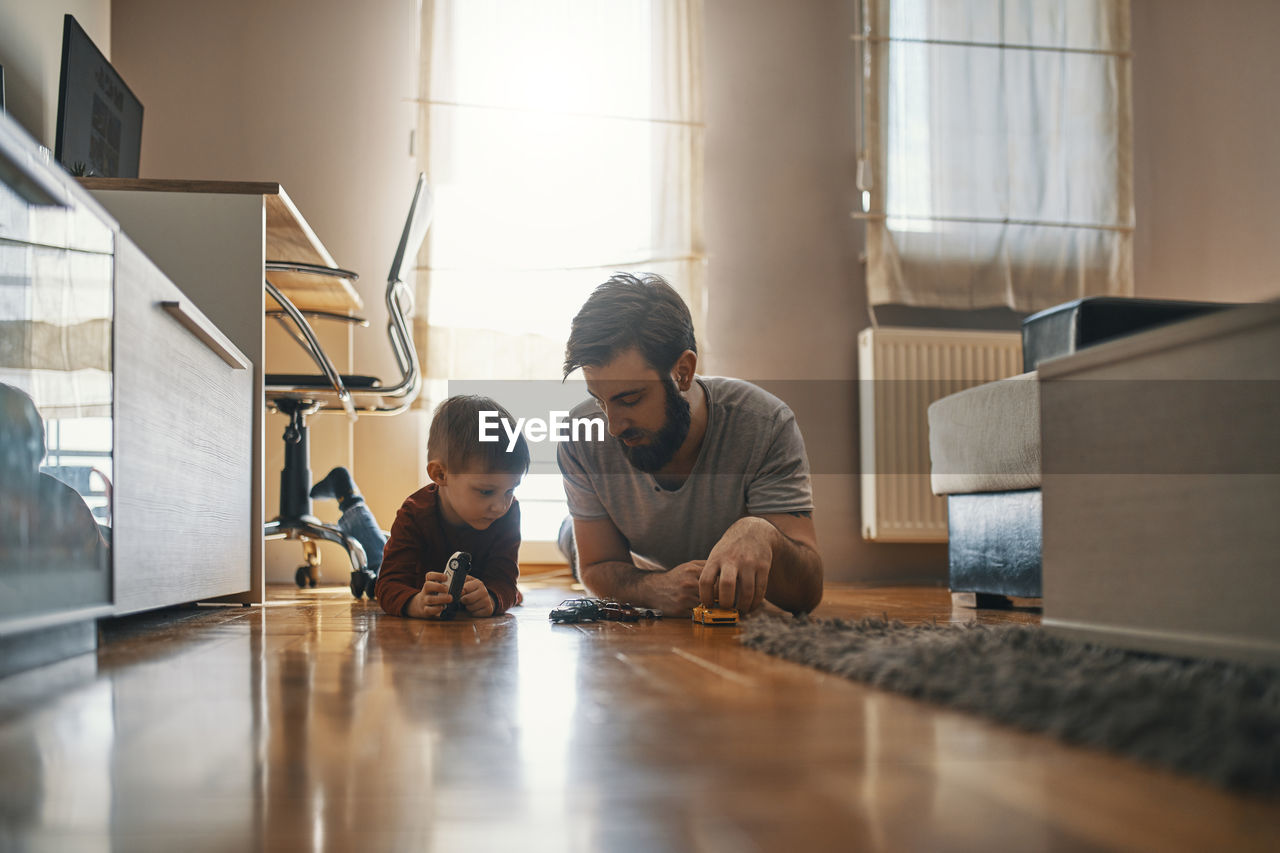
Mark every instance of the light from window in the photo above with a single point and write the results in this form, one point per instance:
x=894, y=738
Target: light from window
x=909, y=181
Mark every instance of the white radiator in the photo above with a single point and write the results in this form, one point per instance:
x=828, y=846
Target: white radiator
x=901, y=371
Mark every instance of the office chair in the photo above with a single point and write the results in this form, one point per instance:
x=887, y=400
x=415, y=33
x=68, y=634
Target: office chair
x=301, y=395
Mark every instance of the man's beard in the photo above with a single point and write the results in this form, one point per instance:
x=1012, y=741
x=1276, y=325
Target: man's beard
x=666, y=441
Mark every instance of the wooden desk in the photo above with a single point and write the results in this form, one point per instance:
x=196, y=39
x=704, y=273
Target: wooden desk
x=212, y=239
x=288, y=238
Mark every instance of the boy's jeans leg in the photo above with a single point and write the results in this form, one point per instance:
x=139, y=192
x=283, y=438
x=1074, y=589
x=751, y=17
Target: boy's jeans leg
x=358, y=522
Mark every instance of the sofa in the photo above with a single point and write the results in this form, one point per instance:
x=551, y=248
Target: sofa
x=985, y=448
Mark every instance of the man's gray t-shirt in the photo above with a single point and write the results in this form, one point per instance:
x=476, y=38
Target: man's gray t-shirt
x=752, y=462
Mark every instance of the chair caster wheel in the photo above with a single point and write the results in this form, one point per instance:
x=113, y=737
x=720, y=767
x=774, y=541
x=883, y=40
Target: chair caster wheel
x=363, y=583
x=304, y=578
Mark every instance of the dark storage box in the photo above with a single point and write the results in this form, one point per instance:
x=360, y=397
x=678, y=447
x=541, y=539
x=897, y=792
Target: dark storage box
x=1073, y=326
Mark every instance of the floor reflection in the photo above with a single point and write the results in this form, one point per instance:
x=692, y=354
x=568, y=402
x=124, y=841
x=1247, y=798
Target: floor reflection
x=545, y=719
x=60, y=773
x=327, y=725
x=343, y=754
x=53, y=552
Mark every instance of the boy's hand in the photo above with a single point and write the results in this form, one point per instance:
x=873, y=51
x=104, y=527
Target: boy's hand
x=430, y=602
x=475, y=597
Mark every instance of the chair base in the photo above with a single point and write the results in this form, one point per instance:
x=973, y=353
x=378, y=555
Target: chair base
x=309, y=529
x=296, y=520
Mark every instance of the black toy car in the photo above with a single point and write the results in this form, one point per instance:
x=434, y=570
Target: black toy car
x=601, y=609
x=455, y=577
x=576, y=610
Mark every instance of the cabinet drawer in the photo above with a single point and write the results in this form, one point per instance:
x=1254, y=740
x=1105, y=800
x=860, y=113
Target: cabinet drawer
x=184, y=446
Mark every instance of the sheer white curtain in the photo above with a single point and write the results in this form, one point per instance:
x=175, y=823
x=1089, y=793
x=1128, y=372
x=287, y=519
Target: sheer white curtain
x=563, y=139
x=997, y=159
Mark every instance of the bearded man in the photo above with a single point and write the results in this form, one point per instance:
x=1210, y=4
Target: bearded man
x=701, y=493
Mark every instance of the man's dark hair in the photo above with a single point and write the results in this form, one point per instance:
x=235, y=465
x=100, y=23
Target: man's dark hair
x=630, y=311
x=454, y=438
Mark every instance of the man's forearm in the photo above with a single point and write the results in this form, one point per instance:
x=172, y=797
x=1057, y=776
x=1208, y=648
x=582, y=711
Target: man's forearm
x=795, y=574
x=616, y=579
x=674, y=592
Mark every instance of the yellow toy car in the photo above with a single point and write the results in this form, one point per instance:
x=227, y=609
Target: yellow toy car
x=715, y=615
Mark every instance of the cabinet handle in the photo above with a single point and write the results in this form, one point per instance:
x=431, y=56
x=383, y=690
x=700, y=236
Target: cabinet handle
x=208, y=334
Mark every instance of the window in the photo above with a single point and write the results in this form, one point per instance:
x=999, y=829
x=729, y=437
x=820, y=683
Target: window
x=563, y=141
x=996, y=162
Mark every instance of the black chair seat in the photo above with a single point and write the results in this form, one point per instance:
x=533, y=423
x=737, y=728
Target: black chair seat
x=319, y=380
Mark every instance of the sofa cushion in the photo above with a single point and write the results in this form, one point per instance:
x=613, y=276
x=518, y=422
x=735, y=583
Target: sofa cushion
x=987, y=438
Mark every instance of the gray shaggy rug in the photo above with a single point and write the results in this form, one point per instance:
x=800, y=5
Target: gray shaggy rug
x=1218, y=721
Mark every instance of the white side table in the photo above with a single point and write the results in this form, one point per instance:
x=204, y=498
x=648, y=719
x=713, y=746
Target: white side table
x=1161, y=488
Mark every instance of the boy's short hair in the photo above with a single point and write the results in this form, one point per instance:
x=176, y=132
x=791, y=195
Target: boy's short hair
x=454, y=438
x=627, y=311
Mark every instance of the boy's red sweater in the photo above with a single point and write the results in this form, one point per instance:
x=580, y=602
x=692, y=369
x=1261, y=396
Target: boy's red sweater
x=422, y=541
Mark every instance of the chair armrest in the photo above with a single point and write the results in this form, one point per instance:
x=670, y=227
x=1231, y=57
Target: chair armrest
x=309, y=269
x=323, y=315
x=312, y=345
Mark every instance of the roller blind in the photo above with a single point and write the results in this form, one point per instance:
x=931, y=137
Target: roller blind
x=996, y=156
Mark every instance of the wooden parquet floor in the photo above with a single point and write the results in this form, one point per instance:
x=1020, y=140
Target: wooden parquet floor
x=319, y=723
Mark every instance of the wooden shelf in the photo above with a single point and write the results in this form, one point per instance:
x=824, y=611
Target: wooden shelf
x=288, y=238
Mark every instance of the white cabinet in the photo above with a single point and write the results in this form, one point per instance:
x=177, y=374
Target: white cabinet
x=98, y=342
x=211, y=238
x=183, y=448
x=56, y=393
x=1161, y=488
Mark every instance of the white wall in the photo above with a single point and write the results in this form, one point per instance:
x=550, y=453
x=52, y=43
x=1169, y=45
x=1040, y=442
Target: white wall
x=1206, y=78
x=317, y=95
x=31, y=53
x=787, y=294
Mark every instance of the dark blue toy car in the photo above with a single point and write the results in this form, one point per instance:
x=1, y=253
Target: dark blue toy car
x=576, y=610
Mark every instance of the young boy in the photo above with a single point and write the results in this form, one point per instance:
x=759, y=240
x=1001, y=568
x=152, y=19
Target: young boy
x=469, y=506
